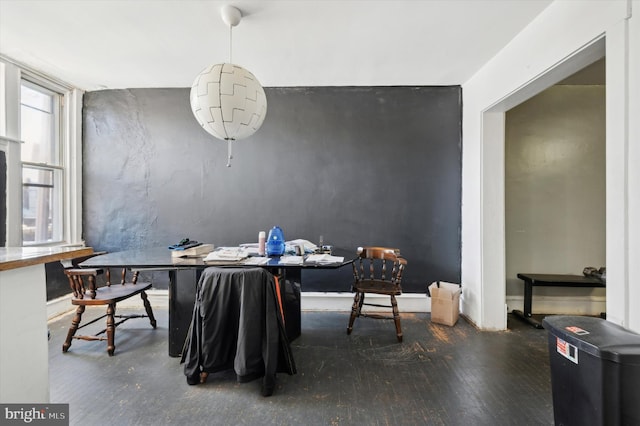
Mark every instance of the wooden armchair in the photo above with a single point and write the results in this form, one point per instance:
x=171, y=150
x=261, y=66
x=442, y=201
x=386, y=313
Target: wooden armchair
x=377, y=270
x=87, y=293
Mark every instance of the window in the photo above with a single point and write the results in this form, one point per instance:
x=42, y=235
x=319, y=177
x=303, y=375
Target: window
x=41, y=124
x=42, y=164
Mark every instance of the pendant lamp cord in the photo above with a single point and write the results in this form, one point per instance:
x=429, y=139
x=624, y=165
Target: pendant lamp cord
x=230, y=44
x=229, y=148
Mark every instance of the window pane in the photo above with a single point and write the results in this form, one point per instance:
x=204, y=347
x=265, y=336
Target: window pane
x=35, y=99
x=37, y=205
x=31, y=176
x=38, y=125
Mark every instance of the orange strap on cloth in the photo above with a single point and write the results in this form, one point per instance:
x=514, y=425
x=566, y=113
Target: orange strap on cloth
x=279, y=297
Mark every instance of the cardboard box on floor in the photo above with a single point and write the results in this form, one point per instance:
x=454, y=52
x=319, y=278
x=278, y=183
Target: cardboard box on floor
x=445, y=302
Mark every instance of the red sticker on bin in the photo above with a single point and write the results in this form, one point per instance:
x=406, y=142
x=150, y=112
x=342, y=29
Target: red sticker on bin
x=576, y=330
x=567, y=350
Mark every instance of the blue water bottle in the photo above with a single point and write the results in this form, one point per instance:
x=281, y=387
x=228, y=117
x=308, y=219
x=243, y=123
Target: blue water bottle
x=275, y=242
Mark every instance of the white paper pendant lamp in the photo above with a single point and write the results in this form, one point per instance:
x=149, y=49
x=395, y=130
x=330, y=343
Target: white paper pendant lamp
x=226, y=99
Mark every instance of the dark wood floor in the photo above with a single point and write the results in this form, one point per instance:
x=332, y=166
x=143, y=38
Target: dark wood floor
x=439, y=376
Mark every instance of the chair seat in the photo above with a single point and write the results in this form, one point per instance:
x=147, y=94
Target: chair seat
x=112, y=294
x=379, y=287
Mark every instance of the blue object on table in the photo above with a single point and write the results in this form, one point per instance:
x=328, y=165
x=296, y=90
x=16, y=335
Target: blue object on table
x=275, y=242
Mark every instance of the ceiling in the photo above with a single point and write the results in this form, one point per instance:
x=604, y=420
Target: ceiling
x=109, y=44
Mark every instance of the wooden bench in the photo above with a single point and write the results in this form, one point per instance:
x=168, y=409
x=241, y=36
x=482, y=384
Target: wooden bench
x=550, y=280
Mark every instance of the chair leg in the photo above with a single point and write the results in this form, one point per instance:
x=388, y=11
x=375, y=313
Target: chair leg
x=396, y=317
x=111, y=329
x=74, y=327
x=355, y=310
x=147, y=307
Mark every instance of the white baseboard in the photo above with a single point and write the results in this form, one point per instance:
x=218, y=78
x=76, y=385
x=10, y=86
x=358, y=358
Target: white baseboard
x=311, y=301
x=60, y=306
x=580, y=305
x=408, y=302
x=319, y=301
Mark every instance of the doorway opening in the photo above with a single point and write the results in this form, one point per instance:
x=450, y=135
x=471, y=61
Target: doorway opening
x=555, y=192
x=493, y=175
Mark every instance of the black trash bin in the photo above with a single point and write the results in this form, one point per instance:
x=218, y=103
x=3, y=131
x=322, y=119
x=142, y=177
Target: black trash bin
x=595, y=371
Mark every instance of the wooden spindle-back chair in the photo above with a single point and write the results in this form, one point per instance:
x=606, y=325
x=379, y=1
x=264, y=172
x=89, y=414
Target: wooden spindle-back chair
x=86, y=292
x=377, y=270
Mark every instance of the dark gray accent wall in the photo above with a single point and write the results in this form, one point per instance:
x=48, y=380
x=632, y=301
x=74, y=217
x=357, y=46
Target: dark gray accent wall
x=359, y=166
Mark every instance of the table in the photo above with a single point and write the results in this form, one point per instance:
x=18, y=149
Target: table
x=185, y=272
x=24, y=358
x=550, y=280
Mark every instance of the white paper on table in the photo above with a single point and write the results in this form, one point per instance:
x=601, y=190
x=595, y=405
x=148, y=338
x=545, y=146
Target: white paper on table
x=252, y=250
x=256, y=260
x=324, y=259
x=306, y=244
x=227, y=254
x=291, y=260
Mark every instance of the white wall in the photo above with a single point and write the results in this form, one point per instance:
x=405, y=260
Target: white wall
x=633, y=173
x=562, y=39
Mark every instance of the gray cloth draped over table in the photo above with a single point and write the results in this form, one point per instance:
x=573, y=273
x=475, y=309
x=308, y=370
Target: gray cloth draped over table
x=237, y=323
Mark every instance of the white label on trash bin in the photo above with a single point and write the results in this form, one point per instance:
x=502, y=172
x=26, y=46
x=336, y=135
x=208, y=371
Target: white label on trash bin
x=567, y=350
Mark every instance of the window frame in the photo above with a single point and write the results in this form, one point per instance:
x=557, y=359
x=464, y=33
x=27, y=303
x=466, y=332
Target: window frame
x=70, y=121
x=56, y=166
